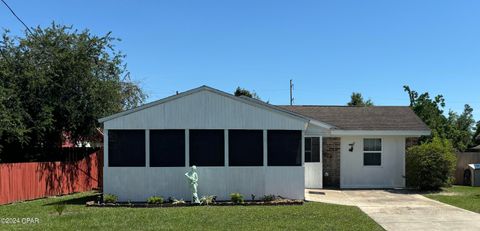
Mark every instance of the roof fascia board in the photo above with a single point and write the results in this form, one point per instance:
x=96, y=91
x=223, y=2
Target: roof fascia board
x=321, y=124
x=381, y=133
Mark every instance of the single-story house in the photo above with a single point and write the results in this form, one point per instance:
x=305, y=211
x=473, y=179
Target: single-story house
x=244, y=145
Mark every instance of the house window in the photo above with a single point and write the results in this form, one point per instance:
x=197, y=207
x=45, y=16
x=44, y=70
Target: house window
x=207, y=147
x=284, y=148
x=167, y=148
x=312, y=149
x=126, y=148
x=245, y=148
x=372, y=152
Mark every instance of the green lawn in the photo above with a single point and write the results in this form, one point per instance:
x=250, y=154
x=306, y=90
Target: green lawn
x=311, y=216
x=460, y=196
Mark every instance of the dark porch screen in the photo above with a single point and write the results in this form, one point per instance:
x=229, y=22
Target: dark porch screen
x=207, y=147
x=167, y=148
x=245, y=147
x=126, y=148
x=284, y=148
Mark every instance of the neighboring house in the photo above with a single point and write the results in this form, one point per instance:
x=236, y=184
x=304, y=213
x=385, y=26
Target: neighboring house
x=92, y=142
x=476, y=148
x=251, y=147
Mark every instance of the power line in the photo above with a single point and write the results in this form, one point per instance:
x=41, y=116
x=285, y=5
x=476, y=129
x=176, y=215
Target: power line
x=14, y=14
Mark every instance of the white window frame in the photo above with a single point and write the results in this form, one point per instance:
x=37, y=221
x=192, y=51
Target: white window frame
x=320, y=143
x=380, y=152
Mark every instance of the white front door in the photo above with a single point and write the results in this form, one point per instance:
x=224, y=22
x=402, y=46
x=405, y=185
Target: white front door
x=313, y=162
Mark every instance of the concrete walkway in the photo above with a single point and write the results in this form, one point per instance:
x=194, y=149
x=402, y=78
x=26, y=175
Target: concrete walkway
x=398, y=210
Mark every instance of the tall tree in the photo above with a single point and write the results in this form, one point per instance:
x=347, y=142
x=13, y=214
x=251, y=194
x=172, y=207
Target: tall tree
x=460, y=128
x=59, y=80
x=356, y=99
x=429, y=110
x=457, y=128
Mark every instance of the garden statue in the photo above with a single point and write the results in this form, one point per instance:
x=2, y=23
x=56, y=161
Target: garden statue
x=192, y=177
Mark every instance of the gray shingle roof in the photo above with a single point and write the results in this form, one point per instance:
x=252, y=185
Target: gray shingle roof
x=363, y=118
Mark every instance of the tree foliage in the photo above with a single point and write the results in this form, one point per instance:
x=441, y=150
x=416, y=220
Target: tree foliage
x=244, y=92
x=356, y=99
x=430, y=165
x=460, y=128
x=59, y=80
x=476, y=136
x=457, y=128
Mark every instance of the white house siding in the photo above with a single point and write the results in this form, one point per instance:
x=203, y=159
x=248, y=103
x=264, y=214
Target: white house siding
x=137, y=184
x=389, y=175
x=204, y=110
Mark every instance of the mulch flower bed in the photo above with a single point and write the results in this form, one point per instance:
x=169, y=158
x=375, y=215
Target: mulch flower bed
x=281, y=202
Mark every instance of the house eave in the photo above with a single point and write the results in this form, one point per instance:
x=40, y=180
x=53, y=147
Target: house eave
x=322, y=124
x=411, y=133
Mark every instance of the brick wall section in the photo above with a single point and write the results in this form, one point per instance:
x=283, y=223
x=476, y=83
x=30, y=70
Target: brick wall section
x=411, y=141
x=331, y=161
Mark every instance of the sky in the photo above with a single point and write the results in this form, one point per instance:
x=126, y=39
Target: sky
x=329, y=48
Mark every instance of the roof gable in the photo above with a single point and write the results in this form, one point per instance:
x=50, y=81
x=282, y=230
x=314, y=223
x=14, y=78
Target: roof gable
x=256, y=103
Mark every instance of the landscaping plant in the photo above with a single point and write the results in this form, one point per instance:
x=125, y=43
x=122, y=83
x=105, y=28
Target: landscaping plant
x=156, y=200
x=207, y=200
x=270, y=197
x=110, y=198
x=236, y=198
x=430, y=166
x=178, y=202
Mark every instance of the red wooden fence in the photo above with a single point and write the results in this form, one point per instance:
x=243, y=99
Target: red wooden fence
x=26, y=181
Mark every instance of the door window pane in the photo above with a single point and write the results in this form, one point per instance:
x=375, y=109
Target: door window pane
x=312, y=149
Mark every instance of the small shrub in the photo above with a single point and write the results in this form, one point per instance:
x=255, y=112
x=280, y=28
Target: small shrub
x=206, y=200
x=253, y=197
x=60, y=208
x=110, y=198
x=156, y=200
x=270, y=197
x=236, y=198
x=178, y=202
x=430, y=166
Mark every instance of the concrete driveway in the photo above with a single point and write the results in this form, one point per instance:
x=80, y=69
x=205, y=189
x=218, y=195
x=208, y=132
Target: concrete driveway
x=399, y=210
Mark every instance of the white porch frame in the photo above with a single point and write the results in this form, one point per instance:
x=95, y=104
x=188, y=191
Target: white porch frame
x=314, y=170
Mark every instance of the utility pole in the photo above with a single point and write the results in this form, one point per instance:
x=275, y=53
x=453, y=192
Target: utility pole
x=291, y=92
